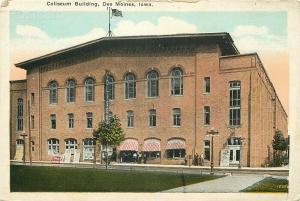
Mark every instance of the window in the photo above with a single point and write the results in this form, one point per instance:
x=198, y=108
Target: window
x=206, y=115
x=32, y=121
x=130, y=86
x=176, y=82
x=152, y=118
x=89, y=89
x=70, y=91
x=235, y=103
x=207, y=150
x=53, y=92
x=175, y=153
x=130, y=119
x=89, y=120
x=53, y=121
x=152, y=82
x=207, y=85
x=70, y=120
x=88, y=149
x=70, y=145
x=32, y=98
x=109, y=88
x=20, y=114
x=176, y=117
x=53, y=146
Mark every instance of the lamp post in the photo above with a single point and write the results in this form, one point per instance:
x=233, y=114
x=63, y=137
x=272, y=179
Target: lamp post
x=212, y=133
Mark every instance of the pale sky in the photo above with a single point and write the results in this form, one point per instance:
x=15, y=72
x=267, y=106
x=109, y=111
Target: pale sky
x=34, y=34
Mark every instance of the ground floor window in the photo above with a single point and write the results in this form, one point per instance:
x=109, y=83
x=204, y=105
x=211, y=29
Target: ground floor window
x=88, y=149
x=70, y=145
x=175, y=153
x=150, y=155
x=53, y=146
x=129, y=156
x=206, y=150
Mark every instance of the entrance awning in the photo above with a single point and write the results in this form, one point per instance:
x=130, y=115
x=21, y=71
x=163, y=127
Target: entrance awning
x=151, y=145
x=176, y=144
x=129, y=145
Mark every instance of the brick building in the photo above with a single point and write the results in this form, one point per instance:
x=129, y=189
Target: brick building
x=167, y=90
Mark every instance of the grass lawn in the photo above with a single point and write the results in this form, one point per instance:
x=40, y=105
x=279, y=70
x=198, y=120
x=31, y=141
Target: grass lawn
x=269, y=184
x=55, y=179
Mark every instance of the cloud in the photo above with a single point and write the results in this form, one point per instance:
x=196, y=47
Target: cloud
x=249, y=38
x=164, y=25
x=31, y=32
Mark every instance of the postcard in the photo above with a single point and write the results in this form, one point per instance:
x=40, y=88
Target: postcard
x=151, y=100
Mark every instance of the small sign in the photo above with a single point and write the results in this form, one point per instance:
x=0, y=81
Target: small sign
x=224, y=162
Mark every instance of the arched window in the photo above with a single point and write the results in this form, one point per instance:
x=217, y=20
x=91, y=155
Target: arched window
x=20, y=107
x=152, y=81
x=176, y=82
x=53, y=146
x=53, y=92
x=130, y=86
x=70, y=91
x=109, y=89
x=89, y=89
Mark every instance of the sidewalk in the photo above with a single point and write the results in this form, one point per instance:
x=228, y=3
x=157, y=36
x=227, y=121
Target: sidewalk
x=229, y=184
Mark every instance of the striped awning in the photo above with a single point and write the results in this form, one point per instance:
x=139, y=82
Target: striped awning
x=129, y=145
x=176, y=144
x=151, y=145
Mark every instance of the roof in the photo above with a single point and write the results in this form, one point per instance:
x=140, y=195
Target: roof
x=222, y=38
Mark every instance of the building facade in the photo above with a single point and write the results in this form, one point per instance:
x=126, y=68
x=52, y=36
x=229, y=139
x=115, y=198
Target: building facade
x=169, y=91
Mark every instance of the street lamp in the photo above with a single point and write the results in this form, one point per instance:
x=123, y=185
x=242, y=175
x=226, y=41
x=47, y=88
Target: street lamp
x=212, y=133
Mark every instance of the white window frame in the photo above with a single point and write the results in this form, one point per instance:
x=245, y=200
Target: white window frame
x=53, y=146
x=176, y=117
x=89, y=89
x=234, y=103
x=70, y=86
x=176, y=78
x=71, y=144
x=130, y=86
x=152, y=118
x=130, y=119
x=152, y=84
x=89, y=117
x=20, y=114
x=71, y=120
x=53, y=93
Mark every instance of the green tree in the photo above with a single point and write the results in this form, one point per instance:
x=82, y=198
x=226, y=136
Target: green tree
x=279, y=145
x=109, y=133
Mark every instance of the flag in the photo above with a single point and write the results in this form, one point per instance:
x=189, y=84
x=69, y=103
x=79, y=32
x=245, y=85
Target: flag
x=116, y=12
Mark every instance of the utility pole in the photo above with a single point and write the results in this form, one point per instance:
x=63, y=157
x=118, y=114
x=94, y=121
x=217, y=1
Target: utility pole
x=29, y=133
x=212, y=133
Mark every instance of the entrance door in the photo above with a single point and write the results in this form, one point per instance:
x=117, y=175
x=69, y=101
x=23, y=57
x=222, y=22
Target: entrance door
x=88, y=152
x=234, y=154
x=19, y=149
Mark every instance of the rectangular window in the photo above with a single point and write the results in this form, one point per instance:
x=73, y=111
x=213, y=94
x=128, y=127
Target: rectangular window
x=152, y=118
x=206, y=115
x=32, y=121
x=235, y=103
x=206, y=150
x=89, y=120
x=70, y=120
x=130, y=119
x=32, y=98
x=53, y=121
x=207, y=85
x=176, y=117
x=20, y=114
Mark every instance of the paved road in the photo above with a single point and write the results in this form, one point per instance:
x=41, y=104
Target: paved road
x=229, y=184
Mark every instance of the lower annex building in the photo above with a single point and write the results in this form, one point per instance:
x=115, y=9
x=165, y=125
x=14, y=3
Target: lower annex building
x=169, y=91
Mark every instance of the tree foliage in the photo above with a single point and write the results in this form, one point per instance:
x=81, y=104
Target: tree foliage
x=110, y=133
x=279, y=142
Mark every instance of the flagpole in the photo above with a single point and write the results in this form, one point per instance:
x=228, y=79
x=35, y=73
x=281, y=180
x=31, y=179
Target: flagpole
x=109, y=31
